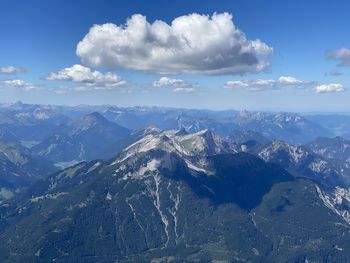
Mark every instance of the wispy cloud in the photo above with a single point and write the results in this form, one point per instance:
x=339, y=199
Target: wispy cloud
x=178, y=85
x=267, y=84
x=11, y=70
x=189, y=44
x=87, y=79
x=18, y=83
x=283, y=82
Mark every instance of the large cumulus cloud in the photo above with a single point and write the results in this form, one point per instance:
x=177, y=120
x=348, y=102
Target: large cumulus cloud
x=190, y=44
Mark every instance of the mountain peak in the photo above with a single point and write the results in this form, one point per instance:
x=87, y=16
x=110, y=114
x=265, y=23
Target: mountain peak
x=149, y=129
x=87, y=121
x=95, y=116
x=200, y=144
x=148, y=143
x=244, y=114
x=18, y=105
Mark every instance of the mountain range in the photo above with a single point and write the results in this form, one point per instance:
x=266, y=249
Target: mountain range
x=80, y=139
x=181, y=198
x=108, y=184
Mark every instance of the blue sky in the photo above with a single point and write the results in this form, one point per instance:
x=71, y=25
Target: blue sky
x=306, y=43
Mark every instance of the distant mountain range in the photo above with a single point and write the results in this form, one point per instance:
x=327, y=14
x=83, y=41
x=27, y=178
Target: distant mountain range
x=109, y=184
x=80, y=139
x=29, y=122
x=289, y=127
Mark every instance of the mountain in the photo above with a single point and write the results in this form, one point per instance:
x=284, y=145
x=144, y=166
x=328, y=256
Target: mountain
x=201, y=143
x=247, y=140
x=29, y=122
x=289, y=127
x=42, y=120
x=336, y=148
x=167, y=118
x=115, y=148
x=171, y=197
x=19, y=169
x=339, y=124
x=338, y=200
x=204, y=142
x=242, y=136
x=303, y=162
x=80, y=139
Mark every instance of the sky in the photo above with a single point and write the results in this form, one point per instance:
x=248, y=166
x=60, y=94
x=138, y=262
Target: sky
x=255, y=55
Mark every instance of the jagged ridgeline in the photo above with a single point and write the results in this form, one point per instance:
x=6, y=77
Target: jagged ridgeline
x=199, y=186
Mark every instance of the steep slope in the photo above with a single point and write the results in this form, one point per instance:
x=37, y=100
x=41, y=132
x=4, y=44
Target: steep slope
x=336, y=148
x=19, y=169
x=338, y=200
x=154, y=203
x=115, y=148
x=303, y=162
x=80, y=139
x=204, y=142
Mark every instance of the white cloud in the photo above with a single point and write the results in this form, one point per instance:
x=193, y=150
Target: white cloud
x=178, y=85
x=341, y=55
x=10, y=70
x=288, y=80
x=167, y=82
x=267, y=84
x=18, y=83
x=87, y=78
x=283, y=82
x=329, y=88
x=190, y=44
